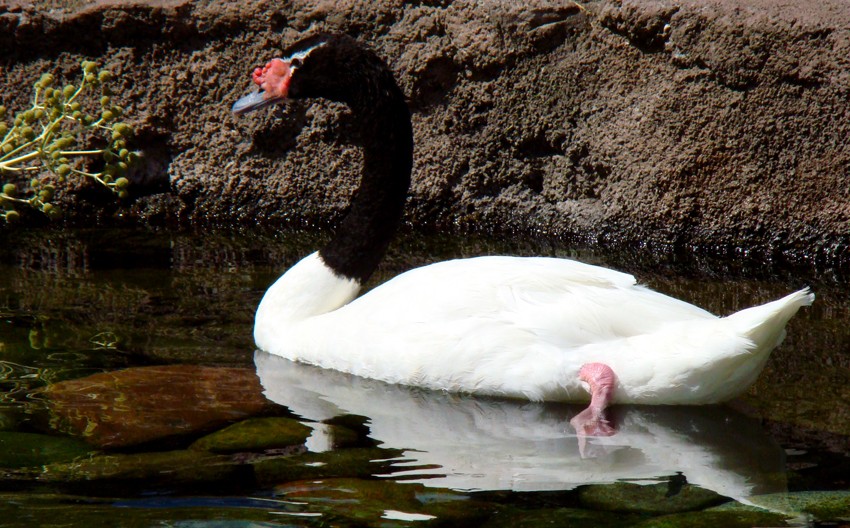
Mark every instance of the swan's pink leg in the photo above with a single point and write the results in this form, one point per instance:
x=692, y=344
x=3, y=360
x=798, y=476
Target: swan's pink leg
x=602, y=381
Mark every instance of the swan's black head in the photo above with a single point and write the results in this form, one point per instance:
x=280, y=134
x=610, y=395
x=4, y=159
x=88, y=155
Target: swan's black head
x=337, y=67
x=329, y=66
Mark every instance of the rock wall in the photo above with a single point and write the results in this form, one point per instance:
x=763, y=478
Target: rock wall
x=704, y=125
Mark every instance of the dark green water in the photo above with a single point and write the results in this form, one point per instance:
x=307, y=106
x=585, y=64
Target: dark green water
x=131, y=395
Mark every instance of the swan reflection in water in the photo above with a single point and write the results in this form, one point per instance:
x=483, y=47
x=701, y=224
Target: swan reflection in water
x=489, y=444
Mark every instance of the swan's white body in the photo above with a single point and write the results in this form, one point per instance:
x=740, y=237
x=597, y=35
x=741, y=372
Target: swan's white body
x=521, y=328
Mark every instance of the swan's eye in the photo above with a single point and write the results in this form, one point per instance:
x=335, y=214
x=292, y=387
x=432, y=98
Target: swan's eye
x=295, y=63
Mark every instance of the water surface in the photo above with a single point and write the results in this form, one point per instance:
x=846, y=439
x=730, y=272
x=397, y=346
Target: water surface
x=130, y=389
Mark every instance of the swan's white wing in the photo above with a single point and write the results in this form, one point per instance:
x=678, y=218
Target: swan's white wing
x=493, y=325
x=563, y=302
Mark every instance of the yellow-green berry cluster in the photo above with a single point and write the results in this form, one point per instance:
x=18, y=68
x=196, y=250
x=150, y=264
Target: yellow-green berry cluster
x=52, y=141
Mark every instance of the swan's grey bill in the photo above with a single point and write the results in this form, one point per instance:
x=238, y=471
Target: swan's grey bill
x=253, y=101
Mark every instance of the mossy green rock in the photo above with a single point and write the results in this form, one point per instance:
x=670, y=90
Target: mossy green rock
x=342, y=436
x=559, y=517
x=713, y=519
x=385, y=502
x=353, y=462
x=825, y=506
x=170, y=468
x=655, y=499
x=255, y=434
x=20, y=450
x=29, y=510
x=828, y=505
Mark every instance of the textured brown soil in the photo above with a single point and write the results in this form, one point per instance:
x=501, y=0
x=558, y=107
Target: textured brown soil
x=709, y=124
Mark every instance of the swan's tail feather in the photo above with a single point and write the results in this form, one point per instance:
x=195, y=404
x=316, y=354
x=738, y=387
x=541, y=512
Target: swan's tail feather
x=756, y=332
x=764, y=325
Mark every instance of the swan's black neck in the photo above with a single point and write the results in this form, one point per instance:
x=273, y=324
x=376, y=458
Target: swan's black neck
x=383, y=118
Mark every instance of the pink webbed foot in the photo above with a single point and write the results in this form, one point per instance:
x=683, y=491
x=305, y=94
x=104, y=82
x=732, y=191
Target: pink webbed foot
x=602, y=382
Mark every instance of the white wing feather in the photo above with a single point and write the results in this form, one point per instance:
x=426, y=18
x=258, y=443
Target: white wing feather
x=523, y=327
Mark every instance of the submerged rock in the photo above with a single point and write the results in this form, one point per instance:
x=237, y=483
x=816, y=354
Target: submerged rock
x=379, y=502
x=350, y=463
x=145, y=404
x=107, y=474
x=560, y=517
x=652, y=499
x=26, y=510
x=20, y=450
x=825, y=506
x=255, y=434
x=713, y=519
x=339, y=436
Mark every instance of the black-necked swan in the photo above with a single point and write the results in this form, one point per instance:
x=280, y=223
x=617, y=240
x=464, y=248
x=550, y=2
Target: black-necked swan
x=518, y=327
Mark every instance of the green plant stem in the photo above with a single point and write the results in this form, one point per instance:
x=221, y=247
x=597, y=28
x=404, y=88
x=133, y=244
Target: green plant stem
x=79, y=90
x=26, y=157
x=35, y=97
x=20, y=169
x=6, y=197
x=10, y=164
x=91, y=175
x=81, y=152
x=6, y=163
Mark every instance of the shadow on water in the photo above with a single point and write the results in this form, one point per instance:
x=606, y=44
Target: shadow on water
x=129, y=383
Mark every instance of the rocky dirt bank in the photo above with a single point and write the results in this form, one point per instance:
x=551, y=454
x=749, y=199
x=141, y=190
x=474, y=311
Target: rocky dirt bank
x=709, y=124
